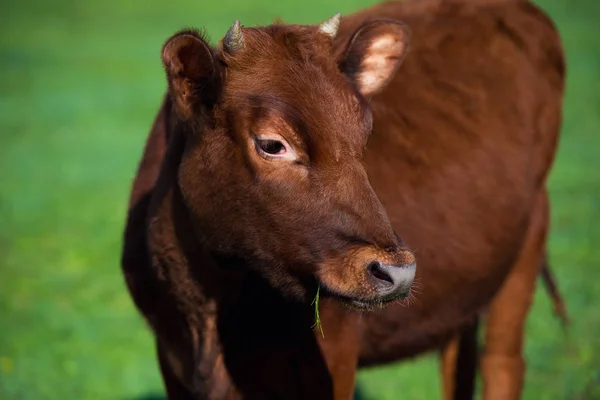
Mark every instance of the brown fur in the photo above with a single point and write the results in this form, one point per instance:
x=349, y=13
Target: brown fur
x=462, y=140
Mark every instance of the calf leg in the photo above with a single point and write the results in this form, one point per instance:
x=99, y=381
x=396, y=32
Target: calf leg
x=459, y=364
x=503, y=364
x=448, y=358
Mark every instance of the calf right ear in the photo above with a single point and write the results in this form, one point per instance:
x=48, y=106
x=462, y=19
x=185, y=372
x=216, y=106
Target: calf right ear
x=374, y=54
x=192, y=73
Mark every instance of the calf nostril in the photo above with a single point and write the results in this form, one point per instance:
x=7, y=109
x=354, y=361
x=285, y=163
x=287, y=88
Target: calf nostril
x=379, y=273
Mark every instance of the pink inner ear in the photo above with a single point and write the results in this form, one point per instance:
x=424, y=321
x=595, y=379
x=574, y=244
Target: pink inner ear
x=380, y=61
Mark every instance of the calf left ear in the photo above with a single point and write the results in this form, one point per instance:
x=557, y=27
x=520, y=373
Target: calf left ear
x=191, y=72
x=374, y=53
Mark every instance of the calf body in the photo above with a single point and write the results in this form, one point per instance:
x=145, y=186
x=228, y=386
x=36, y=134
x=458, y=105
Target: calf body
x=224, y=251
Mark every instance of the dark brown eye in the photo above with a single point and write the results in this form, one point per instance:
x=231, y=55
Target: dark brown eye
x=271, y=146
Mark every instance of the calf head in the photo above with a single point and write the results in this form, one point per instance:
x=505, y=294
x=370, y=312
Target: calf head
x=275, y=121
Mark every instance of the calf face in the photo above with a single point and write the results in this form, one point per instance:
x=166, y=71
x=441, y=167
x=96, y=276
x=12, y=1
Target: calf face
x=275, y=123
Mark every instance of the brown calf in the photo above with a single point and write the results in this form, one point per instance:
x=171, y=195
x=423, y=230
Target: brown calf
x=285, y=160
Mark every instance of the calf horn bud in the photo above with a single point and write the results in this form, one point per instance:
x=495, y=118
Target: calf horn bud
x=234, y=39
x=331, y=26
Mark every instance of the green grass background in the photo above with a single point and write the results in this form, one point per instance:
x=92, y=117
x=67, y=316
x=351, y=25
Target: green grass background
x=80, y=83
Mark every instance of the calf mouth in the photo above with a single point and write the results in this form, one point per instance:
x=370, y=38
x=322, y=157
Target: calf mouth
x=362, y=304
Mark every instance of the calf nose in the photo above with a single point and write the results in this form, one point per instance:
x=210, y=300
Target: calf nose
x=392, y=280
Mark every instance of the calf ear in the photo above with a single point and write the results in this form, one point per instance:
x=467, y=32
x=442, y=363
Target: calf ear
x=191, y=72
x=374, y=53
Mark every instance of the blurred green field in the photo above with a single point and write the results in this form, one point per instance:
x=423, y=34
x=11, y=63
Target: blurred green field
x=80, y=83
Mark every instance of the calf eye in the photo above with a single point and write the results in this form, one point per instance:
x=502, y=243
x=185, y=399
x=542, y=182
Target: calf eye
x=271, y=146
x=274, y=147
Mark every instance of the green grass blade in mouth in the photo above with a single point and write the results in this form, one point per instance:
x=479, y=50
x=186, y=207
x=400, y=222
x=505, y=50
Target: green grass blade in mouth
x=315, y=302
